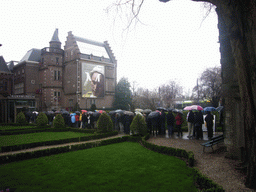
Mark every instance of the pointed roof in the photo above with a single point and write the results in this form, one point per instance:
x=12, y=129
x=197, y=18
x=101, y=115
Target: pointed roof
x=32, y=55
x=55, y=37
x=3, y=65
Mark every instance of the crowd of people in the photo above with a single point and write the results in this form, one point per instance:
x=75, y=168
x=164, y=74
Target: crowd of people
x=156, y=121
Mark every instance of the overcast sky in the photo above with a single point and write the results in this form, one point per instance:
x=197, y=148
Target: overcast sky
x=171, y=43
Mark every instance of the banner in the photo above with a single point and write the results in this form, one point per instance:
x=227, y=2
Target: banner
x=93, y=80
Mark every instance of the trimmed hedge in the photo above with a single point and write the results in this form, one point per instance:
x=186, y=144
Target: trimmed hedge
x=42, y=129
x=21, y=119
x=206, y=184
x=55, y=142
x=189, y=156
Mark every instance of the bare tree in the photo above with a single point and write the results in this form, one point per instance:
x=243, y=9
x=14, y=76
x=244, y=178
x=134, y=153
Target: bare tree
x=209, y=86
x=145, y=99
x=168, y=92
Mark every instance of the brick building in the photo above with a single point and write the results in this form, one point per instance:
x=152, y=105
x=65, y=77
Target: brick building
x=82, y=74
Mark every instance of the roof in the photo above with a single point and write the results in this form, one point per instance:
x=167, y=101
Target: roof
x=32, y=55
x=55, y=37
x=3, y=65
x=90, y=47
x=97, y=49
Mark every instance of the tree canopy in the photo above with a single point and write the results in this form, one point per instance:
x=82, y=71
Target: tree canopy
x=209, y=86
x=123, y=95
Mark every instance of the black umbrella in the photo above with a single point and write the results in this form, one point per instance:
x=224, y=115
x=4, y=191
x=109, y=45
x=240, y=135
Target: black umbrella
x=147, y=111
x=96, y=114
x=129, y=113
x=120, y=111
x=161, y=108
x=153, y=114
x=112, y=112
x=65, y=112
x=170, y=109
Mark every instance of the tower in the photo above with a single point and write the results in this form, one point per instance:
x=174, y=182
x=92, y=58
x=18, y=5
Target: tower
x=51, y=75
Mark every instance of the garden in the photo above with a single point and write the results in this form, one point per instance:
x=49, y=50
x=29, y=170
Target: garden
x=124, y=163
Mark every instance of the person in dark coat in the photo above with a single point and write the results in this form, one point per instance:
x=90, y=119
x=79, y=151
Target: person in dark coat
x=84, y=120
x=162, y=122
x=209, y=124
x=149, y=124
x=198, y=125
x=127, y=123
x=170, y=122
x=179, y=121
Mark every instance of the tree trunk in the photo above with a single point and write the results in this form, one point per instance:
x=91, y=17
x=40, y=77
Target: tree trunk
x=240, y=20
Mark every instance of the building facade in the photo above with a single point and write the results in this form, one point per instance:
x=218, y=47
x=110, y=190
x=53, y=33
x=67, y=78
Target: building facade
x=81, y=74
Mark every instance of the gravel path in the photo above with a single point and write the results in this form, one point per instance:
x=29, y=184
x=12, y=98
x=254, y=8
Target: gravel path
x=213, y=165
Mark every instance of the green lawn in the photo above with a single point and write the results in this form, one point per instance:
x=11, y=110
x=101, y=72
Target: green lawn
x=118, y=167
x=9, y=128
x=10, y=140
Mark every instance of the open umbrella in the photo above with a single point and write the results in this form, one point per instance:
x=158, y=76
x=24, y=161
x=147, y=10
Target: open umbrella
x=77, y=112
x=147, y=111
x=187, y=108
x=154, y=114
x=96, y=114
x=65, y=112
x=120, y=111
x=112, y=112
x=129, y=113
x=101, y=111
x=161, y=108
x=138, y=110
x=197, y=107
x=84, y=111
x=209, y=109
x=219, y=108
x=170, y=109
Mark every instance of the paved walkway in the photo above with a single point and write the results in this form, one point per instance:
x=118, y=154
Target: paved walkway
x=61, y=145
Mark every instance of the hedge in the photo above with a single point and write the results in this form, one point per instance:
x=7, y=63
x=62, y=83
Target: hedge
x=204, y=184
x=42, y=129
x=55, y=142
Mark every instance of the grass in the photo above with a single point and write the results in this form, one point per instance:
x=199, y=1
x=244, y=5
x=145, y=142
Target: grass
x=10, y=140
x=118, y=167
x=9, y=128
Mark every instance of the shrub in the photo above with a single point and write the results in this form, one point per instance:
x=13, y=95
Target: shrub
x=139, y=125
x=104, y=123
x=58, y=121
x=41, y=120
x=21, y=119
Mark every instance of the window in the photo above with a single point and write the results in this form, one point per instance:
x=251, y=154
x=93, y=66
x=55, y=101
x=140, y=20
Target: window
x=70, y=103
x=57, y=75
x=56, y=94
x=57, y=60
x=19, y=88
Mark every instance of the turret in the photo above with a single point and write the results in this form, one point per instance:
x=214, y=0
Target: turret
x=55, y=42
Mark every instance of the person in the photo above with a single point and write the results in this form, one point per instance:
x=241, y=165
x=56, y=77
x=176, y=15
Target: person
x=80, y=120
x=162, y=122
x=209, y=124
x=77, y=120
x=190, y=120
x=179, y=122
x=73, y=119
x=198, y=125
x=97, y=83
x=170, y=122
